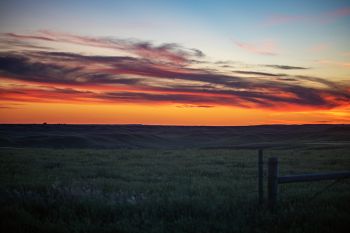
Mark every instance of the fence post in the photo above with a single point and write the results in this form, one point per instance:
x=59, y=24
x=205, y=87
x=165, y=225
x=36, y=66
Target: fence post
x=272, y=182
x=261, y=176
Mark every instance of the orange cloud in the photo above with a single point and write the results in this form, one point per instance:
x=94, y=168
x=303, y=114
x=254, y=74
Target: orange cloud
x=129, y=79
x=161, y=76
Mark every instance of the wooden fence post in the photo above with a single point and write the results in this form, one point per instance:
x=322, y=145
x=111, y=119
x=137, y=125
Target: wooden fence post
x=261, y=176
x=272, y=182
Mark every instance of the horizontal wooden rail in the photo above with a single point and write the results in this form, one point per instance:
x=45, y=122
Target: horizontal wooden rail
x=313, y=177
x=274, y=179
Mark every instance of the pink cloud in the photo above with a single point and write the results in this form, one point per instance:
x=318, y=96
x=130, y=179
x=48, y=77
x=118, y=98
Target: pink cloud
x=30, y=37
x=63, y=77
x=282, y=19
x=167, y=52
x=263, y=48
x=325, y=17
x=319, y=47
x=335, y=63
x=337, y=13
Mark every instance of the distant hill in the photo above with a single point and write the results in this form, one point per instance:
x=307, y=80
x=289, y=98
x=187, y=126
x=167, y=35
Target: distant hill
x=173, y=137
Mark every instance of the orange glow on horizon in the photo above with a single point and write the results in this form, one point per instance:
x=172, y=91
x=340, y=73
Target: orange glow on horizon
x=34, y=103
x=159, y=85
x=174, y=114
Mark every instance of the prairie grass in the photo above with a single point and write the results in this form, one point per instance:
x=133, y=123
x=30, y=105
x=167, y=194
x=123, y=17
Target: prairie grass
x=73, y=190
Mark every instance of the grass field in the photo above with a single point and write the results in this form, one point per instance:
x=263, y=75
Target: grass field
x=58, y=190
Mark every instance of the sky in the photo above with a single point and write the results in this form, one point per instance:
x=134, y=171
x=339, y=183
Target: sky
x=175, y=62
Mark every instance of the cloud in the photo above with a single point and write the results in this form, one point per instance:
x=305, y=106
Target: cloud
x=33, y=37
x=323, y=18
x=334, y=63
x=317, y=80
x=319, y=47
x=287, y=67
x=24, y=67
x=282, y=19
x=256, y=73
x=263, y=48
x=45, y=94
x=7, y=107
x=334, y=15
x=61, y=76
x=167, y=52
x=7, y=43
x=155, y=84
x=194, y=106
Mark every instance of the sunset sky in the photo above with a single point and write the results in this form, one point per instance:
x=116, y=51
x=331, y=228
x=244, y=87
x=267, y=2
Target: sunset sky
x=175, y=62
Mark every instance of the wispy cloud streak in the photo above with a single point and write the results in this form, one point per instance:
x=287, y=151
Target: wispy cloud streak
x=263, y=48
x=166, y=77
x=167, y=52
x=287, y=67
x=334, y=63
x=323, y=18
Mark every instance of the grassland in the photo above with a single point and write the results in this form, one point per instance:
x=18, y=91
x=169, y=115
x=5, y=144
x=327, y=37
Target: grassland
x=159, y=190
x=172, y=137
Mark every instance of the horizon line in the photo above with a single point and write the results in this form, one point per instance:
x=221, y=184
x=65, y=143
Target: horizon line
x=172, y=125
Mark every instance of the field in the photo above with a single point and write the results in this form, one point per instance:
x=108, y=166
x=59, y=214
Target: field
x=168, y=190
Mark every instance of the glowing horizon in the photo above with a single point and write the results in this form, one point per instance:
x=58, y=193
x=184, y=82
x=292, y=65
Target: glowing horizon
x=166, y=64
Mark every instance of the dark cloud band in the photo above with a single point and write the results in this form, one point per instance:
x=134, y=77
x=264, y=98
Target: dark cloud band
x=157, y=73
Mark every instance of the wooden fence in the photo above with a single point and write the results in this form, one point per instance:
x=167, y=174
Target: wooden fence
x=273, y=179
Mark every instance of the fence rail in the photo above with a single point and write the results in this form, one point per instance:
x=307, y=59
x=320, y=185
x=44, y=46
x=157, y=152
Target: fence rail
x=313, y=177
x=273, y=179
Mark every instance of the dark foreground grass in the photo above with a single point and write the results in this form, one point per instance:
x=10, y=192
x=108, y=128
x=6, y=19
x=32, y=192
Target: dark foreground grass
x=44, y=190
